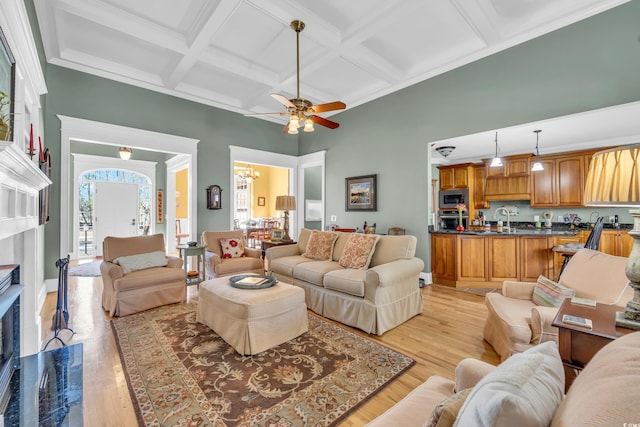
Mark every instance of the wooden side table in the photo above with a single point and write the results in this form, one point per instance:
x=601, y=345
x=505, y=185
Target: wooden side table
x=578, y=345
x=266, y=244
x=197, y=251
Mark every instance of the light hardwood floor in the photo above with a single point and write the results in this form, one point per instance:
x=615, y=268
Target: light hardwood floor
x=449, y=330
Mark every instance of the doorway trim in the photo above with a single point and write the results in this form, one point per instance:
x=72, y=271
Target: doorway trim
x=84, y=163
x=92, y=132
x=264, y=158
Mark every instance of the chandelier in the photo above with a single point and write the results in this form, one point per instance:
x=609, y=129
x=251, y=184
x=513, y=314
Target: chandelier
x=248, y=175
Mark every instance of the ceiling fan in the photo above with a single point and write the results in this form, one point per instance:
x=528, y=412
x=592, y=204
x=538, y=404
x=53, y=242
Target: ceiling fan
x=299, y=110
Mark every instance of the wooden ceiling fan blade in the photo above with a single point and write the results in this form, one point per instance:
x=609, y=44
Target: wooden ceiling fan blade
x=325, y=122
x=279, y=113
x=282, y=100
x=286, y=128
x=330, y=106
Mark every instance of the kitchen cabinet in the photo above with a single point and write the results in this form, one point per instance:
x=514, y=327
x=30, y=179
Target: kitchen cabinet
x=471, y=248
x=479, y=187
x=455, y=176
x=535, y=258
x=510, y=181
x=443, y=258
x=502, y=258
x=616, y=242
x=561, y=183
x=468, y=260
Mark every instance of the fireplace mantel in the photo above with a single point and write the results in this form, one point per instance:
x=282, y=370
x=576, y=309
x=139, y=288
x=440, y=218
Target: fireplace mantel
x=20, y=182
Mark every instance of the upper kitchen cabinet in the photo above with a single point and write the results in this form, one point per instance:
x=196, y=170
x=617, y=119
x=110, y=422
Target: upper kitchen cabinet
x=455, y=176
x=561, y=183
x=479, y=188
x=510, y=181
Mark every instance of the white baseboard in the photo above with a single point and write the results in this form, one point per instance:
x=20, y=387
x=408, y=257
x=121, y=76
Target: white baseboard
x=51, y=285
x=426, y=277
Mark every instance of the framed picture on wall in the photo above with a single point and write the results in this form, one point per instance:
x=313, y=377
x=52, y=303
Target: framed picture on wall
x=361, y=193
x=261, y=201
x=7, y=89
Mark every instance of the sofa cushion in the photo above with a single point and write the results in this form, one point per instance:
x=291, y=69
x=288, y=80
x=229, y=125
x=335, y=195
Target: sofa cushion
x=243, y=264
x=314, y=271
x=606, y=392
x=320, y=245
x=524, y=390
x=347, y=280
x=232, y=248
x=148, y=277
x=548, y=293
x=446, y=412
x=391, y=248
x=284, y=265
x=141, y=261
x=358, y=250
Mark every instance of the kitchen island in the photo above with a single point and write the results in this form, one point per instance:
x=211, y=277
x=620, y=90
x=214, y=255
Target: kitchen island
x=483, y=259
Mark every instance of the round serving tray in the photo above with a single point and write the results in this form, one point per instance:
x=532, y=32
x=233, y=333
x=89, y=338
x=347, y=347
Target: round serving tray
x=252, y=281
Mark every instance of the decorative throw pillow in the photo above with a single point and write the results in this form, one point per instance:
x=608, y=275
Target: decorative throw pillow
x=232, y=248
x=446, y=412
x=141, y=261
x=358, y=250
x=320, y=245
x=549, y=293
x=524, y=390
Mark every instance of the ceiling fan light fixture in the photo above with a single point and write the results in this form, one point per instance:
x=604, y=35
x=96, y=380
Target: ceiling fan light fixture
x=537, y=166
x=497, y=161
x=308, y=125
x=294, y=122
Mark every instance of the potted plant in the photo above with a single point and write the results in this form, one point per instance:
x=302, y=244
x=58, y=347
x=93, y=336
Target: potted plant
x=5, y=116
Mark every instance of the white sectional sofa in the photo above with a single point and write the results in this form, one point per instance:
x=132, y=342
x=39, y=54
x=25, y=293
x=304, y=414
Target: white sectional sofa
x=374, y=298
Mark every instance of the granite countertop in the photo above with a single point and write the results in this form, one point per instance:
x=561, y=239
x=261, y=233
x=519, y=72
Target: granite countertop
x=526, y=229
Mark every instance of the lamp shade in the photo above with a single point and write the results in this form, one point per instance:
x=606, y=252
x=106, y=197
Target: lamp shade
x=285, y=203
x=613, y=178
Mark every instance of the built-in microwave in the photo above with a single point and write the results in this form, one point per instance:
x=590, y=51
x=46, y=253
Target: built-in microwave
x=449, y=199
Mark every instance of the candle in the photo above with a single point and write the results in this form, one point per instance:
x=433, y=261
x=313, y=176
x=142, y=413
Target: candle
x=41, y=152
x=31, y=140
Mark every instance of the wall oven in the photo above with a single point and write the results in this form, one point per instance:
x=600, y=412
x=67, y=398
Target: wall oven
x=450, y=198
x=449, y=219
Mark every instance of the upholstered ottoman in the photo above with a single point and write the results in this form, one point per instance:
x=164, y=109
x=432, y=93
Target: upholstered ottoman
x=252, y=320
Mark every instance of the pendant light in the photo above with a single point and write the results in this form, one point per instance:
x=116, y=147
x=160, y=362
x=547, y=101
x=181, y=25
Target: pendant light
x=125, y=153
x=537, y=164
x=497, y=161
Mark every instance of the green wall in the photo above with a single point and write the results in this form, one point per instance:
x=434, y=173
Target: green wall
x=591, y=64
x=76, y=94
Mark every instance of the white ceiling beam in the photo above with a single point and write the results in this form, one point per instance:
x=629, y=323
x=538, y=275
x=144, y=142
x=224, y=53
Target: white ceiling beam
x=211, y=26
x=126, y=23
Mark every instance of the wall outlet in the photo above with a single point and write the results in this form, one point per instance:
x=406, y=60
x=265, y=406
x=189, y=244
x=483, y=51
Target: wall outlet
x=612, y=219
x=334, y=218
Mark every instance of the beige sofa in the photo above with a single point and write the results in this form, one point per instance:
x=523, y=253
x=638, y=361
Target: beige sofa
x=374, y=299
x=515, y=323
x=137, y=276
x=216, y=266
x=521, y=392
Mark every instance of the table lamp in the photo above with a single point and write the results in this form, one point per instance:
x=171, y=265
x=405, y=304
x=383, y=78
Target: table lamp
x=286, y=204
x=613, y=180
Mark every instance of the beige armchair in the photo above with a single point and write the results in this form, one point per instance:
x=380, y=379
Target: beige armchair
x=134, y=277
x=514, y=323
x=217, y=266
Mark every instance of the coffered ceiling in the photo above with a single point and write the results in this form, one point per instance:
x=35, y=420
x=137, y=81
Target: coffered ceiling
x=233, y=54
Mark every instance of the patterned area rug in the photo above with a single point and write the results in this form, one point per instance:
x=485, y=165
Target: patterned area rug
x=182, y=373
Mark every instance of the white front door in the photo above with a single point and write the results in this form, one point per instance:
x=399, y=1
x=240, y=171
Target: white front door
x=115, y=211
